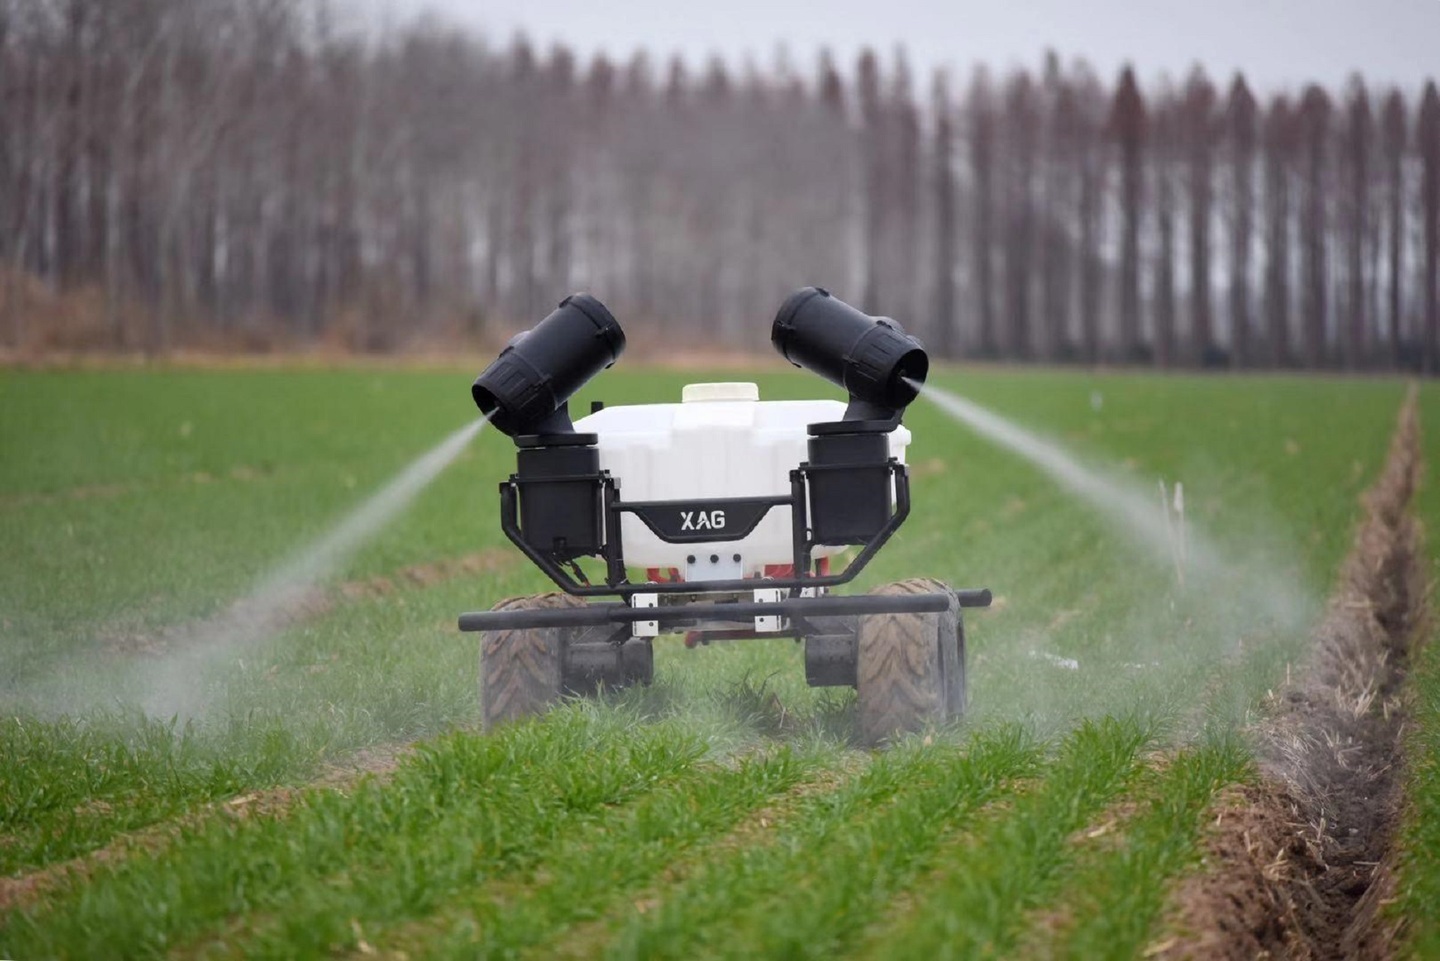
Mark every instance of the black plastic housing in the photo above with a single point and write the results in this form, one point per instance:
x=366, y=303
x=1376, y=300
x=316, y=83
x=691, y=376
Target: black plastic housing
x=558, y=477
x=870, y=357
x=849, y=486
x=525, y=389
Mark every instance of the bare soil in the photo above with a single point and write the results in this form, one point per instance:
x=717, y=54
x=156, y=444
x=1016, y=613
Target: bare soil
x=1298, y=865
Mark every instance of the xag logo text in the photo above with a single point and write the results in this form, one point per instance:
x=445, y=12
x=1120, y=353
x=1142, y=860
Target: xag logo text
x=702, y=520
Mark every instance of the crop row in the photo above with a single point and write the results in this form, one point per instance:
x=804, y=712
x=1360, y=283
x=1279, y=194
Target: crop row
x=560, y=828
x=495, y=846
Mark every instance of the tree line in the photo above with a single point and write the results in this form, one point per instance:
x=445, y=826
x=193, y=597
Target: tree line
x=252, y=171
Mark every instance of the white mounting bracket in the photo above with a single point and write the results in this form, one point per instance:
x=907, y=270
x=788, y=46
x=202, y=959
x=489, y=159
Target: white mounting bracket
x=769, y=623
x=645, y=628
x=714, y=566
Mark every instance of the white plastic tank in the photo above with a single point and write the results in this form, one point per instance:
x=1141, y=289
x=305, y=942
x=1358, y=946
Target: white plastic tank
x=721, y=440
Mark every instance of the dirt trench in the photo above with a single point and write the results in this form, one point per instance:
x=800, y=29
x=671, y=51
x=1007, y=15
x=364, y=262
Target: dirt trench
x=1299, y=865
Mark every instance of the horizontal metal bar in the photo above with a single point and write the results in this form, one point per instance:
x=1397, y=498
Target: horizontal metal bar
x=739, y=611
x=771, y=500
x=974, y=597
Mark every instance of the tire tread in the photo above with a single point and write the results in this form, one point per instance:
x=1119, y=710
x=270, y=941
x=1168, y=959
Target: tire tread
x=520, y=669
x=900, y=677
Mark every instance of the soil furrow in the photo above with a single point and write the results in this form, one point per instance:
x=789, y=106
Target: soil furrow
x=589, y=938
x=1297, y=865
x=378, y=762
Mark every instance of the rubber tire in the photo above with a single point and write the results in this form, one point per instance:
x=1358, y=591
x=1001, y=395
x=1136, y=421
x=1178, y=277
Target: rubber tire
x=910, y=668
x=520, y=669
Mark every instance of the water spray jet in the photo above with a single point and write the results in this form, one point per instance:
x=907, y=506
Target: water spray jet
x=1222, y=598
x=173, y=686
x=1132, y=510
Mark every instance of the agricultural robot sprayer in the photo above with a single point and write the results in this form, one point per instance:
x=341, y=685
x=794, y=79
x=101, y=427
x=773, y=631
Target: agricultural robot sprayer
x=733, y=507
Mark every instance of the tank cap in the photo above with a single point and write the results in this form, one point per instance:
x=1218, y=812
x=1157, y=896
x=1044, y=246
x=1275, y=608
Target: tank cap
x=698, y=393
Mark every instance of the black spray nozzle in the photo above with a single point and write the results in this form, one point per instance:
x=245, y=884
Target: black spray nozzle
x=879, y=365
x=524, y=391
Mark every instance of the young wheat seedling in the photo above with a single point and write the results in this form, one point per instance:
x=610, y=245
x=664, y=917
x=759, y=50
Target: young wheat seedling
x=1174, y=513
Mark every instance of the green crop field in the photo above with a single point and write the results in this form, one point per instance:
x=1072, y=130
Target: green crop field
x=1419, y=876
x=334, y=793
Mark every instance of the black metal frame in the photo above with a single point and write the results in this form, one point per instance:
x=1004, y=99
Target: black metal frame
x=619, y=616
x=616, y=582
x=740, y=612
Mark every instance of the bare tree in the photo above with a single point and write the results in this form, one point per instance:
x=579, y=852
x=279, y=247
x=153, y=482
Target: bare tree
x=873, y=140
x=1022, y=126
x=1395, y=139
x=945, y=235
x=1057, y=204
x=562, y=116
x=1240, y=121
x=1315, y=113
x=1200, y=130
x=835, y=201
x=983, y=188
x=1358, y=136
x=903, y=183
x=524, y=83
x=250, y=172
x=1280, y=146
x=1128, y=128
x=1165, y=120
x=1427, y=136
x=1091, y=155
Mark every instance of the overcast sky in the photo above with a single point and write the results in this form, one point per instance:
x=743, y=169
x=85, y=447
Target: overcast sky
x=1276, y=42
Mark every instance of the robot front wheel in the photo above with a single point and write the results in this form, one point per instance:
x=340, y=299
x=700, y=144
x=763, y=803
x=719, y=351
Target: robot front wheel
x=908, y=669
x=524, y=671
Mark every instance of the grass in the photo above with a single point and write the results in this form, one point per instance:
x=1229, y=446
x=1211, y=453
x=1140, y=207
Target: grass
x=1112, y=903
x=1418, y=871
x=974, y=902
x=588, y=872
x=466, y=810
x=1419, y=868
x=148, y=500
x=70, y=785
x=837, y=861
